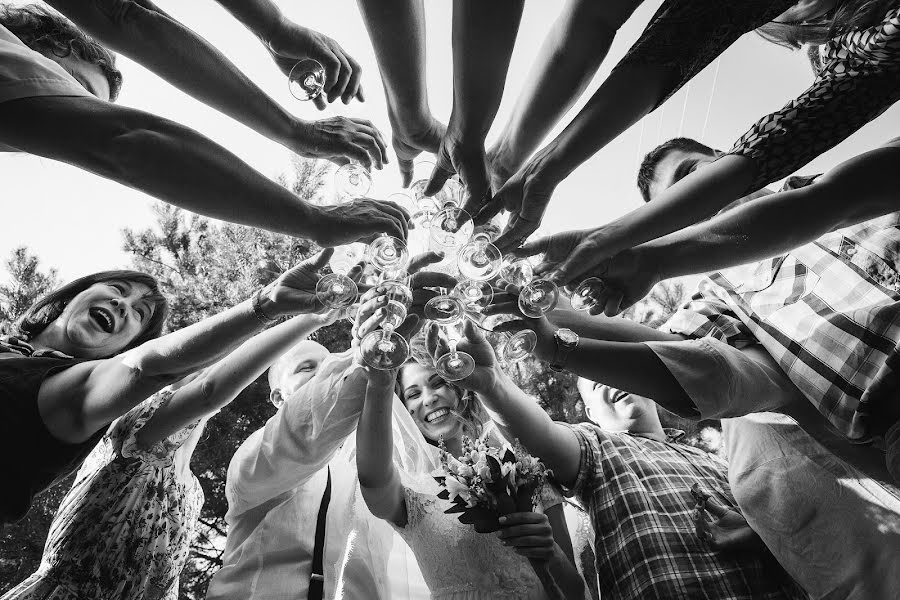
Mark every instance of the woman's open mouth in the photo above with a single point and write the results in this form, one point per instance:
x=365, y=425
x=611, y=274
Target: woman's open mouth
x=103, y=318
x=437, y=415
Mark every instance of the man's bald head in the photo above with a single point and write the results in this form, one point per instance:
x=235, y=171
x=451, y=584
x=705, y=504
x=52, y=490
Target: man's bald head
x=294, y=369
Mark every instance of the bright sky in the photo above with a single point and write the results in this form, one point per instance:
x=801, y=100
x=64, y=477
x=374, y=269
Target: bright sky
x=73, y=220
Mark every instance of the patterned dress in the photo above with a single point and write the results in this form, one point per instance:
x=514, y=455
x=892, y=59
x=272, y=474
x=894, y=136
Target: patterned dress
x=124, y=529
x=859, y=77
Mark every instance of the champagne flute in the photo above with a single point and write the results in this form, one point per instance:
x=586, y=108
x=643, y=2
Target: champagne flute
x=474, y=295
x=479, y=259
x=582, y=296
x=538, y=298
x=337, y=290
x=306, y=79
x=454, y=364
x=352, y=181
x=451, y=229
x=387, y=253
x=517, y=271
x=513, y=348
x=384, y=348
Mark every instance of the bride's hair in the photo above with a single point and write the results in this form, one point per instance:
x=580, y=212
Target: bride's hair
x=471, y=411
x=847, y=16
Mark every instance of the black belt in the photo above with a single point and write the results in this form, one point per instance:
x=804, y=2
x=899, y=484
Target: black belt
x=317, y=579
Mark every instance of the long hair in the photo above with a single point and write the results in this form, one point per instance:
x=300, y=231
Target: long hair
x=47, y=31
x=471, y=411
x=847, y=16
x=48, y=308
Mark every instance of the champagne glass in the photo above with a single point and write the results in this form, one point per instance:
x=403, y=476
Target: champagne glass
x=474, y=295
x=387, y=253
x=306, y=79
x=582, y=298
x=337, y=290
x=384, y=348
x=352, y=181
x=480, y=260
x=538, y=298
x=454, y=365
x=451, y=229
x=517, y=271
x=513, y=348
x=444, y=309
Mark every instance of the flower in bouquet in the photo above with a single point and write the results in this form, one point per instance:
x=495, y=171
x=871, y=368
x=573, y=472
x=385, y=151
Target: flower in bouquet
x=487, y=482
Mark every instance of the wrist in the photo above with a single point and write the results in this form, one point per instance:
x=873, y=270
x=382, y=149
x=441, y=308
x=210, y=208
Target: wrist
x=264, y=306
x=467, y=129
x=269, y=30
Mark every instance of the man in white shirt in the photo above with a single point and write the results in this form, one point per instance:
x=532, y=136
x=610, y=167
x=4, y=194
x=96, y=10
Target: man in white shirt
x=276, y=484
x=55, y=88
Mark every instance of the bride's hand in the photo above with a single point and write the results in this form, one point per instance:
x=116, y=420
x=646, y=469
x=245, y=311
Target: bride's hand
x=473, y=342
x=528, y=533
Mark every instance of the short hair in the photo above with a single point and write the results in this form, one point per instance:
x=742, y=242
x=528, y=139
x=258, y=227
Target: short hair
x=47, y=31
x=647, y=170
x=48, y=308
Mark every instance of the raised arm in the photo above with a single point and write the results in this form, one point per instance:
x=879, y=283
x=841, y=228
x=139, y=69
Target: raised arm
x=397, y=31
x=178, y=165
x=289, y=42
x=81, y=399
x=484, y=34
x=225, y=380
x=145, y=33
x=379, y=479
x=857, y=190
x=568, y=59
x=680, y=40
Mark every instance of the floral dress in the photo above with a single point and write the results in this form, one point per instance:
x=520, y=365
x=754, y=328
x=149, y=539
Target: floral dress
x=124, y=530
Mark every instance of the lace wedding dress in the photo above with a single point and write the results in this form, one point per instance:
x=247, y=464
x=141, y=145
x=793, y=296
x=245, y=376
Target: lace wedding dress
x=457, y=562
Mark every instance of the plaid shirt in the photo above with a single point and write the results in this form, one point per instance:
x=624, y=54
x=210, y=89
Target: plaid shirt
x=828, y=312
x=637, y=492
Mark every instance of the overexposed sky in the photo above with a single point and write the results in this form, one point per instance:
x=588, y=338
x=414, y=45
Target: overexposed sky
x=73, y=219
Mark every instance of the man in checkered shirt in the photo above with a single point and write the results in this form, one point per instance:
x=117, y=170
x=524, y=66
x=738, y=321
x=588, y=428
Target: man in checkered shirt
x=827, y=311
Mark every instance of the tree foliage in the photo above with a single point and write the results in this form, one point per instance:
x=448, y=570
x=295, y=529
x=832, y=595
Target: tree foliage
x=26, y=284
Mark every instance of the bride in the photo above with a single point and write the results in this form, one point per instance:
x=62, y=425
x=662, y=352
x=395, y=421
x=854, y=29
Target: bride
x=457, y=562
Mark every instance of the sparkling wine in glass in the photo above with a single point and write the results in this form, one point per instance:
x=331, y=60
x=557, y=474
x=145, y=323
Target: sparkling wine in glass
x=306, y=79
x=517, y=271
x=444, y=310
x=474, y=295
x=384, y=348
x=513, y=347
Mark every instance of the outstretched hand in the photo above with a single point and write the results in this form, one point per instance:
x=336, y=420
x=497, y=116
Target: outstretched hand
x=409, y=144
x=292, y=42
x=341, y=140
x=358, y=221
x=466, y=158
x=294, y=291
x=474, y=343
x=622, y=280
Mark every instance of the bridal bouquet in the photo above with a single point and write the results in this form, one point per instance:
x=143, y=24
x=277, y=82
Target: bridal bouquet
x=485, y=483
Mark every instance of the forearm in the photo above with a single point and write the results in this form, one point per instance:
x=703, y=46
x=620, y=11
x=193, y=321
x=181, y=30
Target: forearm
x=610, y=329
x=566, y=575
x=397, y=32
x=141, y=31
x=632, y=367
x=855, y=191
x=518, y=414
x=261, y=17
x=159, y=157
x=228, y=378
x=604, y=118
x=567, y=61
x=484, y=34
x=375, y=441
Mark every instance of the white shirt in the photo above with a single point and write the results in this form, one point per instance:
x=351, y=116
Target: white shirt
x=824, y=507
x=275, y=484
x=25, y=73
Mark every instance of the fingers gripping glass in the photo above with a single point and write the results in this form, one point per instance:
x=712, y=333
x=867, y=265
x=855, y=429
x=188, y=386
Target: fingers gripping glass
x=337, y=290
x=306, y=79
x=454, y=364
x=384, y=348
x=583, y=295
x=514, y=347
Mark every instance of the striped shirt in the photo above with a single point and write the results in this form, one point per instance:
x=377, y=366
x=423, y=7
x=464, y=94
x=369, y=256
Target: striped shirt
x=827, y=312
x=637, y=492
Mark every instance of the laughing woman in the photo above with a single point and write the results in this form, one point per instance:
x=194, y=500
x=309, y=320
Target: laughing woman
x=89, y=353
